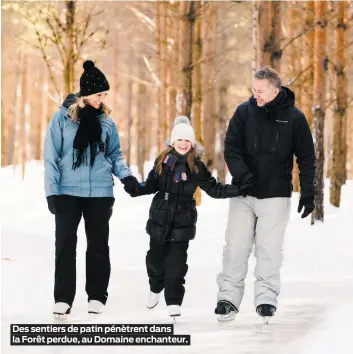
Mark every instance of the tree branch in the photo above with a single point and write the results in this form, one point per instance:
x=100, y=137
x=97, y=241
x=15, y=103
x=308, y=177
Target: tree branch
x=143, y=18
x=300, y=74
x=44, y=55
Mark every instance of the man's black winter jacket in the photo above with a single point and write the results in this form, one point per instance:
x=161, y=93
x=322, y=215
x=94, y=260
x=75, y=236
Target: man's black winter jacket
x=260, y=143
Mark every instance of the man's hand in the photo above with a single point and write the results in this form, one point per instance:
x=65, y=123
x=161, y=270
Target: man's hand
x=308, y=204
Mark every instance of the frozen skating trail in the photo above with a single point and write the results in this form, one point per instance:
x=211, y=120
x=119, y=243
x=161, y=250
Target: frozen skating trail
x=316, y=303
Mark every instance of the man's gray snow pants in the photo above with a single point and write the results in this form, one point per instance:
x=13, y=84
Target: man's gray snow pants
x=259, y=221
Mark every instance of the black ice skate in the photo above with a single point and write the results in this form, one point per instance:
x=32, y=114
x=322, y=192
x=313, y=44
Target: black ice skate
x=225, y=311
x=266, y=312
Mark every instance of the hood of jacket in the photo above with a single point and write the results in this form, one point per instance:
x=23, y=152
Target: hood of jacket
x=284, y=99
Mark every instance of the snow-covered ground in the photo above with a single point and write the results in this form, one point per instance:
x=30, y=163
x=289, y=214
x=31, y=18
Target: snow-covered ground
x=316, y=303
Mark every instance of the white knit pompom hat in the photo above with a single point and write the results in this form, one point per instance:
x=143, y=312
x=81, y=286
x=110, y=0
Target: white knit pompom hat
x=182, y=130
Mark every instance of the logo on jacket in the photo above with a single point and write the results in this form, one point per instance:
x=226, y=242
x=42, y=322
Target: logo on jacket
x=281, y=121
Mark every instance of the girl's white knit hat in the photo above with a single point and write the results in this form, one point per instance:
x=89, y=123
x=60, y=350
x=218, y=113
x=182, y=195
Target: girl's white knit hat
x=182, y=130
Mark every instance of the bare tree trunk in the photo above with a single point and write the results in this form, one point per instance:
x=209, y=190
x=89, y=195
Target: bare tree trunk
x=292, y=72
x=69, y=64
x=255, y=16
x=141, y=122
x=149, y=123
x=276, y=52
x=320, y=60
x=43, y=117
x=269, y=34
x=163, y=124
x=338, y=172
x=263, y=30
x=208, y=102
x=4, y=134
x=129, y=102
x=350, y=143
x=197, y=75
x=308, y=55
x=223, y=118
x=184, y=94
x=330, y=95
x=13, y=146
x=115, y=81
x=23, y=120
x=172, y=34
x=350, y=108
x=197, y=82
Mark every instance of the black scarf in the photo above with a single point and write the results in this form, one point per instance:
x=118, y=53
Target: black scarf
x=88, y=133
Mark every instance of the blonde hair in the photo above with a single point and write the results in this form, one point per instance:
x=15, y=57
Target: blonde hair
x=192, y=156
x=81, y=102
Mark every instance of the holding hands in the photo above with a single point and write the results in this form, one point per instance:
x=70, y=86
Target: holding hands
x=131, y=185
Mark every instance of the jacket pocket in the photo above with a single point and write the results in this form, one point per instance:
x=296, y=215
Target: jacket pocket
x=155, y=231
x=68, y=176
x=282, y=143
x=106, y=162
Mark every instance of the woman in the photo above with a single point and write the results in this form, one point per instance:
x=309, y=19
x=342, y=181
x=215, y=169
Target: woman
x=81, y=152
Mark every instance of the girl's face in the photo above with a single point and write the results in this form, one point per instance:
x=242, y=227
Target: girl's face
x=97, y=99
x=182, y=146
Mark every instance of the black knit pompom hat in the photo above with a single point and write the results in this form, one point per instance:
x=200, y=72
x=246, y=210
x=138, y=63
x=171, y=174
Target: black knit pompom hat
x=92, y=80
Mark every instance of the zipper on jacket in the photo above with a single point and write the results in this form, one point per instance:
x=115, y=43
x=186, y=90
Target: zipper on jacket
x=274, y=146
x=255, y=139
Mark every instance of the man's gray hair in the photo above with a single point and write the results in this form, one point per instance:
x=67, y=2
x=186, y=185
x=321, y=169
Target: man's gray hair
x=270, y=74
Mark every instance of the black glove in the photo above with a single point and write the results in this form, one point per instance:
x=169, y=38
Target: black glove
x=52, y=203
x=247, y=188
x=131, y=185
x=308, y=204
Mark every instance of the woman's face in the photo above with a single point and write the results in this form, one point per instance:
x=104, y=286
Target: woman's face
x=97, y=99
x=182, y=146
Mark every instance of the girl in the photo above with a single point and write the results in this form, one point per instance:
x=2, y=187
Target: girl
x=81, y=152
x=175, y=176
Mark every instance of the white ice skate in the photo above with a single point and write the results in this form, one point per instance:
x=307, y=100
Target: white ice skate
x=95, y=307
x=61, y=310
x=174, y=311
x=153, y=300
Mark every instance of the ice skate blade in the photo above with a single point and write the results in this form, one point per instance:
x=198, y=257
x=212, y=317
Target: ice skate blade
x=266, y=319
x=152, y=307
x=226, y=318
x=60, y=315
x=173, y=317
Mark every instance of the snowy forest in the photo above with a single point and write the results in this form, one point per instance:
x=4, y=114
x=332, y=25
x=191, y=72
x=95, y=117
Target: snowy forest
x=168, y=58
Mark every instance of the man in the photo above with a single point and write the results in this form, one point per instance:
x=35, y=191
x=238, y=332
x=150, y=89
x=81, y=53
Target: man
x=261, y=139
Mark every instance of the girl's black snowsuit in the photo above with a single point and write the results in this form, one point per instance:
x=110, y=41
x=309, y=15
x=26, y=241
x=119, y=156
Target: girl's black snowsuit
x=172, y=224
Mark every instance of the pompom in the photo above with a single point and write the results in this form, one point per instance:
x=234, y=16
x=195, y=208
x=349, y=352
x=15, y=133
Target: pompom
x=181, y=119
x=88, y=65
